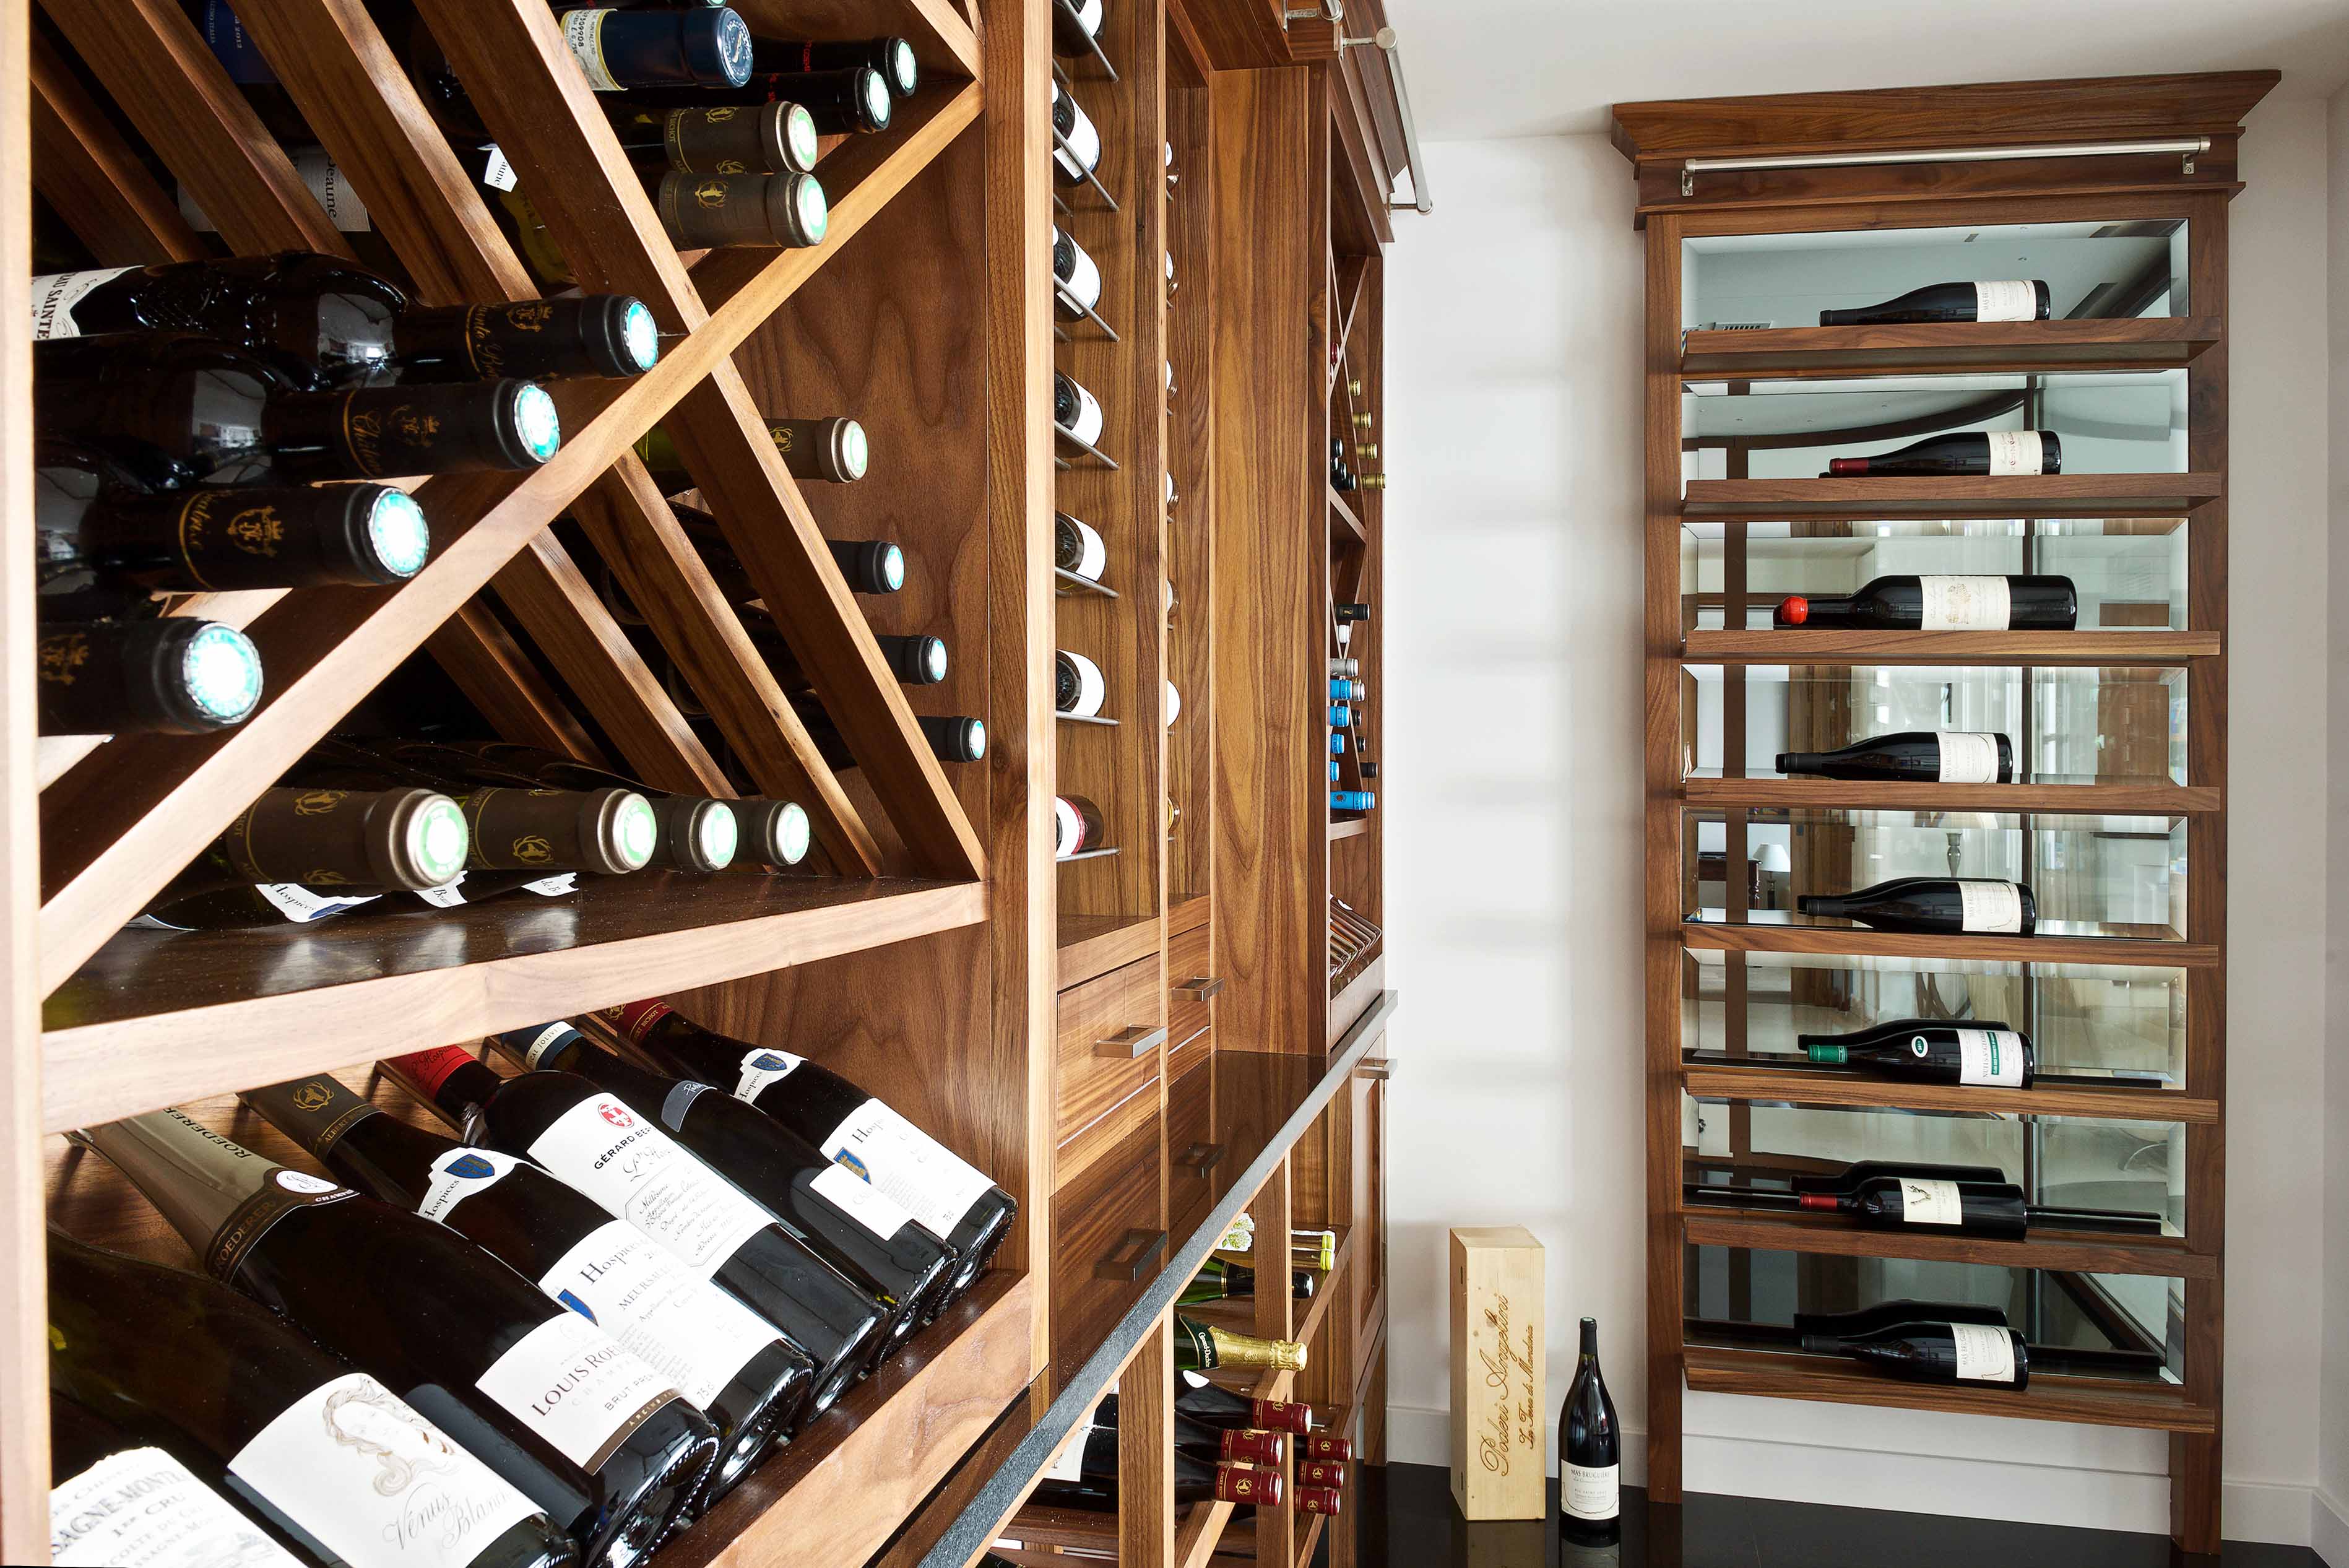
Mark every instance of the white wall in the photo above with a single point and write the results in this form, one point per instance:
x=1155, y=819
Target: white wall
x=2332, y=1518
x=1513, y=439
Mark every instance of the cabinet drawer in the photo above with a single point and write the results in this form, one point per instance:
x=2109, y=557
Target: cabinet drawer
x=1196, y=1171
x=1102, y=1088
x=1191, y=984
x=1109, y=1239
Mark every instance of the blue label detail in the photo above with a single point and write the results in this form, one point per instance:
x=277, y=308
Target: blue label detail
x=767, y=1061
x=842, y=1157
x=472, y=1167
x=575, y=1304
x=233, y=46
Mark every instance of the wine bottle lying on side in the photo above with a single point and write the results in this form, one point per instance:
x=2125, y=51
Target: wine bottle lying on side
x=1929, y=1051
x=300, y=854
x=1935, y=1353
x=1940, y=603
x=1928, y=756
x=115, y=1502
x=1977, y=453
x=1943, y=906
x=1083, y=1475
x=2010, y=300
x=175, y=676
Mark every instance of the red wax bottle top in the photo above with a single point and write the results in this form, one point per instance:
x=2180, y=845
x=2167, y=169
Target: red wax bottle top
x=1278, y=1416
x=1240, y=1483
x=1837, y=465
x=1321, y=1473
x=1819, y=1200
x=1320, y=1446
x=1319, y=1500
x=1793, y=610
x=430, y=1069
x=1262, y=1448
x=637, y=1018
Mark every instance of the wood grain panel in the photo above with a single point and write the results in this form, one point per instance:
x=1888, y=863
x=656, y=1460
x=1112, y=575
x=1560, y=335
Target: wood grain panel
x=1089, y=1086
x=2041, y=1099
x=497, y=677
x=1093, y=1215
x=1928, y=348
x=2092, y=1401
x=1879, y=496
x=1145, y=1453
x=91, y=178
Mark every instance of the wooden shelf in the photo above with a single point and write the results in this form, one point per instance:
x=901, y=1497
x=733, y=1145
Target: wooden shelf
x=1832, y=1235
x=2140, y=343
x=2097, y=648
x=158, y=1017
x=1799, y=1086
x=1860, y=942
x=1095, y=944
x=1868, y=795
x=2036, y=495
x=1349, y=827
x=1344, y=526
x=2089, y=1400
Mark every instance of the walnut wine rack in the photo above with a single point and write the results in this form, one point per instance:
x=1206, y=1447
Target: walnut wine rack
x=1137, y=1045
x=1815, y=192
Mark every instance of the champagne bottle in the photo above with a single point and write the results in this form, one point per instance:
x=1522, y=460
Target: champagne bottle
x=951, y=738
x=1927, y=1050
x=322, y=1453
x=1074, y=270
x=1935, y=1353
x=1964, y=453
x=1943, y=906
x=541, y=831
x=1078, y=826
x=1077, y=146
x=728, y=1361
x=1083, y=1475
x=834, y=450
x=176, y=675
x=1075, y=409
x=1076, y=548
x=1220, y=1279
x=1973, y=1208
x=576, y=1132
x=713, y=212
x=1078, y=687
x=2004, y=301
x=1075, y=27
x=1942, y=603
x=630, y=50
x=892, y=57
x=1209, y=1444
x=116, y=1502
x=584, y=1428
x=235, y=417
x=949, y=1195
x=1590, y=1453
x=873, y=1241
x=1930, y=756
x=722, y=139
x=855, y=99
x=357, y=327
x=300, y=853
x=1202, y=1347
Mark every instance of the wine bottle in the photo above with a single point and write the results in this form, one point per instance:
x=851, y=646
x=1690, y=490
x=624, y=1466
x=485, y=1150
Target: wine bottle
x=1220, y=1279
x=1319, y=1475
x=610, y=832
x=855, y=99
x=1943, y=906
x=713, y=212
x=731, y=1363
x=1347, y=667
x=1074, y=411
x=1212, y=1405
x=1077, y=145
x=355, y=326
x=1326, y=1501
x=1935, y=1353
x=1942, y=603
x=1210, y=1444
x=175, y=676
x=1202, y=1347
x=1353, y=800
x=235, y=417
x=584, y=1428
x=1890, y=1314
x=1347, y=690
x=892, y=57
x=1972, y=1208
x=1849, y=1178
x=1969, y=453
x=721, y=138
x=1931, y=756
x=1076, y=548
x=1083, y=1475
x=578, y=1134
x=951, y=739
x=1928, y=1051
x=916, y=661
x=633, y=50
x=1351, y=614
x=871, y=566
x=319, y=1451
x=1075, y=26
x=301, y=854
x=873, y=1243
x=1590, y=1453
x=949, y=1195
x=2003, y=301
x=1078, y=826
x=834, y=450
x=1074, y=270
x=116, y=1502
x=1078, y=688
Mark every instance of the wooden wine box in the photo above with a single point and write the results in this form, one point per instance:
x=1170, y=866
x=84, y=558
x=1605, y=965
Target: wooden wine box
x=1499, y=1468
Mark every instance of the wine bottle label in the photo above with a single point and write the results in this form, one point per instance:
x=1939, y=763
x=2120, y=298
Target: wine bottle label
x=141, y=1509
x=55, y=294
x=582, y=33
x=1093, y=557
x=1930, y=1202
x=2006, y=302
x=281, y=1192
x=376, y=1483
x=1068, y=828
x=301, y=904
x=907, y=1166
x=458, y=1175
x=1989, y=908
x=855, y=1197
x=1069, y=1464
x=1963, y=604
x=1985, y=1353
x=1592, y=1492
x=640, y=1174
x=686, y=1329
x=679, y=1100
x=499, y=173
x=572, y=1385
x=554, y=887
x=1092, y=692
x=1967, y=757
x=1990, y=1057
x=447, y=895
x=2015, y=451
x=546, y=1039
x=760, y=1069
x=322, y=178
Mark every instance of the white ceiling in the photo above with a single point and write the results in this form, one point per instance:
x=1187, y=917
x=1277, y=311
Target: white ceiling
x=1533, y=68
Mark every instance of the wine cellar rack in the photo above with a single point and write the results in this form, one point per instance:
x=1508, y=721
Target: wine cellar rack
x=1808, y=179
x=1135, y=1044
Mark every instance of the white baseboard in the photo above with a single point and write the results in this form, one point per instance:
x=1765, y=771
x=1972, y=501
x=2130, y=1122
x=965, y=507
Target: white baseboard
x=2036, y=1492
x=2329, y=1529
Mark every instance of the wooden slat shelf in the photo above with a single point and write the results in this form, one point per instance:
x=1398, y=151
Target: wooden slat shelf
x=1797, y=1086
x=1349, y=827
x=2037, y=495
x=1344, y=526
x=1860, y=942
x=1796, y=646
x=2079, y=1251
x=2138, y=343
x=160, y=1017
x=1869, y=794
x=2091, y=1401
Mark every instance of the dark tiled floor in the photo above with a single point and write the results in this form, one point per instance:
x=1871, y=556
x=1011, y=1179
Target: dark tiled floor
x=1409, y=1522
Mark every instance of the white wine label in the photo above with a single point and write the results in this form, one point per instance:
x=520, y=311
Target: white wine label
x=1992, y=908
x=582, y=31
x=324, y=179
x=1990, y=1057
x=1084, y=285
x=554, y=887
x=1592, y=1492
x=1067, y=1465
x=378, y=1484
x=686, y=1329
x=141, y=1509
x=458, y=1175
x=2015, y=451
x=1068, y=828
x=1091, y=690
x=907, y=1166
x=1094, y=560
x=2005, y=302
x=679, y=1100
x=1963, y=604
x=1928, y=1202
x=546, y=1039
x=446, y=896
x=760, y=1069
x=300, y=904
x=499, y=175
x=855, y=1197
x=640, y=1174
x=1967, y=757
x=573, y=1384
x=1985, y=1353
x=55, y=294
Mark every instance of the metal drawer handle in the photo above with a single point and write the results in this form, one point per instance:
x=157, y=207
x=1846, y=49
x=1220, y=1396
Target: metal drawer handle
x=1136, y=1252
x=1379, y=1067
x=1200, y=1158
x=1131, y=1043
x=1198, y=988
